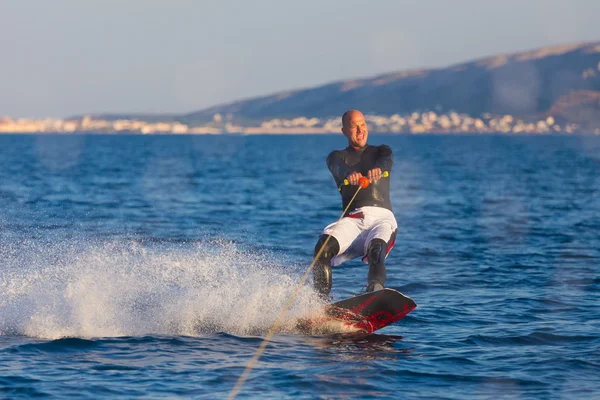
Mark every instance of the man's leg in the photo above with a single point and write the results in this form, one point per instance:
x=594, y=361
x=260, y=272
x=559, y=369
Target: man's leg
x=376, y=253
x=381, y=239
x=322, y=268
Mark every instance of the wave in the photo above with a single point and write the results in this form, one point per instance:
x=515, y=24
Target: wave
x=534, y=339
x=82, y=289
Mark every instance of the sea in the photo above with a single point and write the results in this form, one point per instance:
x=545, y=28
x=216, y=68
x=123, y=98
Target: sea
x=155, y=266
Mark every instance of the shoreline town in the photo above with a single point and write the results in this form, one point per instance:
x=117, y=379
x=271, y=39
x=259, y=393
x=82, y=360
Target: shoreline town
x=414, y=123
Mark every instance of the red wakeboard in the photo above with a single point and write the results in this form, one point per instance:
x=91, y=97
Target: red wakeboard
x=363, y=314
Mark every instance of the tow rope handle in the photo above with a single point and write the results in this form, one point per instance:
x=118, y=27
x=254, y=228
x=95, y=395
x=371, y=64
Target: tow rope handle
x=363, y=182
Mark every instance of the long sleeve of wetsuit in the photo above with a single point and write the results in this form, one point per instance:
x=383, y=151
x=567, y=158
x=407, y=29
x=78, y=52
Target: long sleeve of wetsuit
x=385, y=158
x=338, y=167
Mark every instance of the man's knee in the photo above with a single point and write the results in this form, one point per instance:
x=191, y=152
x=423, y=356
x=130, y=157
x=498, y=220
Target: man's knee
x=322, y=269
x=376, y=251
x=330, y=245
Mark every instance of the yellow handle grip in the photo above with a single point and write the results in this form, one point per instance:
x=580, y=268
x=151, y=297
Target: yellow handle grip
x=384, y=174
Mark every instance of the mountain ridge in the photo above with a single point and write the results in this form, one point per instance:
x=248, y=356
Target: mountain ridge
x=561, y=80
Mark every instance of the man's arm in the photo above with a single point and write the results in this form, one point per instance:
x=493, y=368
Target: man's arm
x=338, y=167
x=384, y=162
x=385, y=158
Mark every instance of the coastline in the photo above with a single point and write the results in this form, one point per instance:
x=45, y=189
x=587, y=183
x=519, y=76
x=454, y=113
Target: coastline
x=414, y=123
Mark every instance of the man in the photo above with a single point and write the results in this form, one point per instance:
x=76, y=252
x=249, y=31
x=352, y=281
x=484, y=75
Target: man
x=368, y=228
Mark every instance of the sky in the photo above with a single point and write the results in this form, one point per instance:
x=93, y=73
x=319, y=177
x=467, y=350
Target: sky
x=71, y=57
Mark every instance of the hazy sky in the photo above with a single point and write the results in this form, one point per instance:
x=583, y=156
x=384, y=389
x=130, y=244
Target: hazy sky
x=66, y=57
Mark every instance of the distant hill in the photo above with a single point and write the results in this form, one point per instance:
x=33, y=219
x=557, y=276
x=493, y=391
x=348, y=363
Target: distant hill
x=563, y=81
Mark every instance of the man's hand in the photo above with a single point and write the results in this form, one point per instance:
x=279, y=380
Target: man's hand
x=354, y=177
x=374, y=175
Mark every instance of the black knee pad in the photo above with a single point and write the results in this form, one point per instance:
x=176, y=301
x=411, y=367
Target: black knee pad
x=322, y=269
x=331, y=249
x=376, y=251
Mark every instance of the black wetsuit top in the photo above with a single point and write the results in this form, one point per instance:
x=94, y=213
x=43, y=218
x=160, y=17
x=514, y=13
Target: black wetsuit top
x=342, y=163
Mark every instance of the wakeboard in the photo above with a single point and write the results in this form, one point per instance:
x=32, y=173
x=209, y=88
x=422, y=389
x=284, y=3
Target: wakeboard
x=364, y=314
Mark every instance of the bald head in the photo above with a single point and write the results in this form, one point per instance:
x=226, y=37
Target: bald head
x=348, y=115
x=354, y=128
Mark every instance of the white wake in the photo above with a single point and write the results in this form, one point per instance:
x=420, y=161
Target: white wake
x=114, y=289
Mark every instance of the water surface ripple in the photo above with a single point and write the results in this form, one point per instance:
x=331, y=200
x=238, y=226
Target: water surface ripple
x=152, y=267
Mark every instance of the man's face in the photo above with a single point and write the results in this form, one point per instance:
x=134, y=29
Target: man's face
x=355, y=129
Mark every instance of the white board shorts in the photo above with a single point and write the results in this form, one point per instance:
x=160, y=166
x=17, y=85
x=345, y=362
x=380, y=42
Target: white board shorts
x=355, y=231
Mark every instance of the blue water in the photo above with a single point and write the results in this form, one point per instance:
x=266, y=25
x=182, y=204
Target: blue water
x=153, y=267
